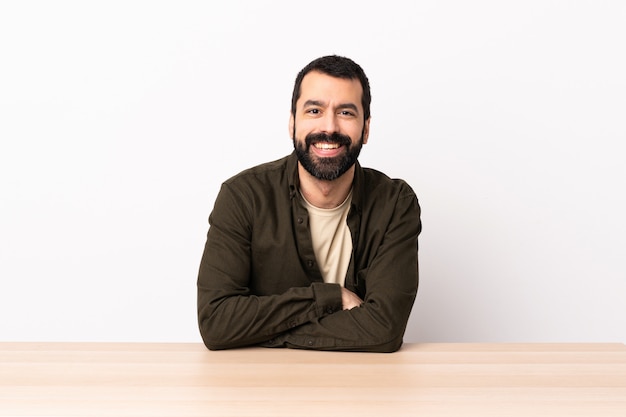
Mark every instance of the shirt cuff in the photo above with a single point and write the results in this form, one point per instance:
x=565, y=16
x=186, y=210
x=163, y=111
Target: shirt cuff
x=327, y=298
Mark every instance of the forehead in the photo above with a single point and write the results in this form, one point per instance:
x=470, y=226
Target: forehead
x=324, y=88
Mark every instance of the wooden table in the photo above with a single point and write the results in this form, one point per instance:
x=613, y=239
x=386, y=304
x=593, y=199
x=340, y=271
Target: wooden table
x=146, y=379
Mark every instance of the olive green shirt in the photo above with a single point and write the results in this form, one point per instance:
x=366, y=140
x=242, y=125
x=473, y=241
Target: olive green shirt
x=259, y=282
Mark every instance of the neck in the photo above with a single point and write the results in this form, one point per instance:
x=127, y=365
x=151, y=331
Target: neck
x=325, y=194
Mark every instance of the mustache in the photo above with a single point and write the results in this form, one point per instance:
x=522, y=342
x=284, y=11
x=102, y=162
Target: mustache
x=325, y=137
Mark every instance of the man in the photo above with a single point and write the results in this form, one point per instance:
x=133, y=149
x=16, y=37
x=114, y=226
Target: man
x=313, y=251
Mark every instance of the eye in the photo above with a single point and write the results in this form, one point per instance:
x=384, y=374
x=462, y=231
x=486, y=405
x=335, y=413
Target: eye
x=312, y=111
x=346, y=113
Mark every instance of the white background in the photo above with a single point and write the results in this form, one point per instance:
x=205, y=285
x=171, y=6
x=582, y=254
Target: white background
x=120, y=119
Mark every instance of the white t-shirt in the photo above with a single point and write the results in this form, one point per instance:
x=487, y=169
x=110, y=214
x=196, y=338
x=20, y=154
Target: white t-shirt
x=332, y=242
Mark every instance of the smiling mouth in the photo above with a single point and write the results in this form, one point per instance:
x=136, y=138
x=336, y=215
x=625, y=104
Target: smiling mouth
x=327, y=145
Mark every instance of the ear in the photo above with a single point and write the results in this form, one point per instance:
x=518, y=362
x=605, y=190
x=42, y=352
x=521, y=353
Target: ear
x=366, y=130
x=291, y=125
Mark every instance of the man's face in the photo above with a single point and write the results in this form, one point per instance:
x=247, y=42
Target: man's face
x=328, y=129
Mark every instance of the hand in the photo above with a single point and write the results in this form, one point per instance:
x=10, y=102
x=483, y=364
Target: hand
x=350, y=299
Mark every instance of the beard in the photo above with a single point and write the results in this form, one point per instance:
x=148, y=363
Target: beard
x=327, y=169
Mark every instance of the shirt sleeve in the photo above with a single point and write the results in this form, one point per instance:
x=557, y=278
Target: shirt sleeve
x=391, y=278
x=224, y=288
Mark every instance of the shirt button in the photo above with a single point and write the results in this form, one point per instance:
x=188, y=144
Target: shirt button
x=300, y=220
x=329, y=310
x=310, y=263
x=292, y=324
x=309, y=342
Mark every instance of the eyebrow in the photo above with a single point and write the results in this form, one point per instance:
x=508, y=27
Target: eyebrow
x=350, y=106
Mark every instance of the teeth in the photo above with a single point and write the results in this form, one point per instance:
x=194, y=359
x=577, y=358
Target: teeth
x=326, y=145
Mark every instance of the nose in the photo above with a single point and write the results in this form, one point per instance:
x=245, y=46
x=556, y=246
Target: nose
x=329, y=123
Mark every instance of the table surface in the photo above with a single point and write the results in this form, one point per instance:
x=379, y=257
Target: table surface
x=185, y=379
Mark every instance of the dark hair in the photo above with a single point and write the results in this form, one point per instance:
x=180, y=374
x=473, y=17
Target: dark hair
x=339, y=67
